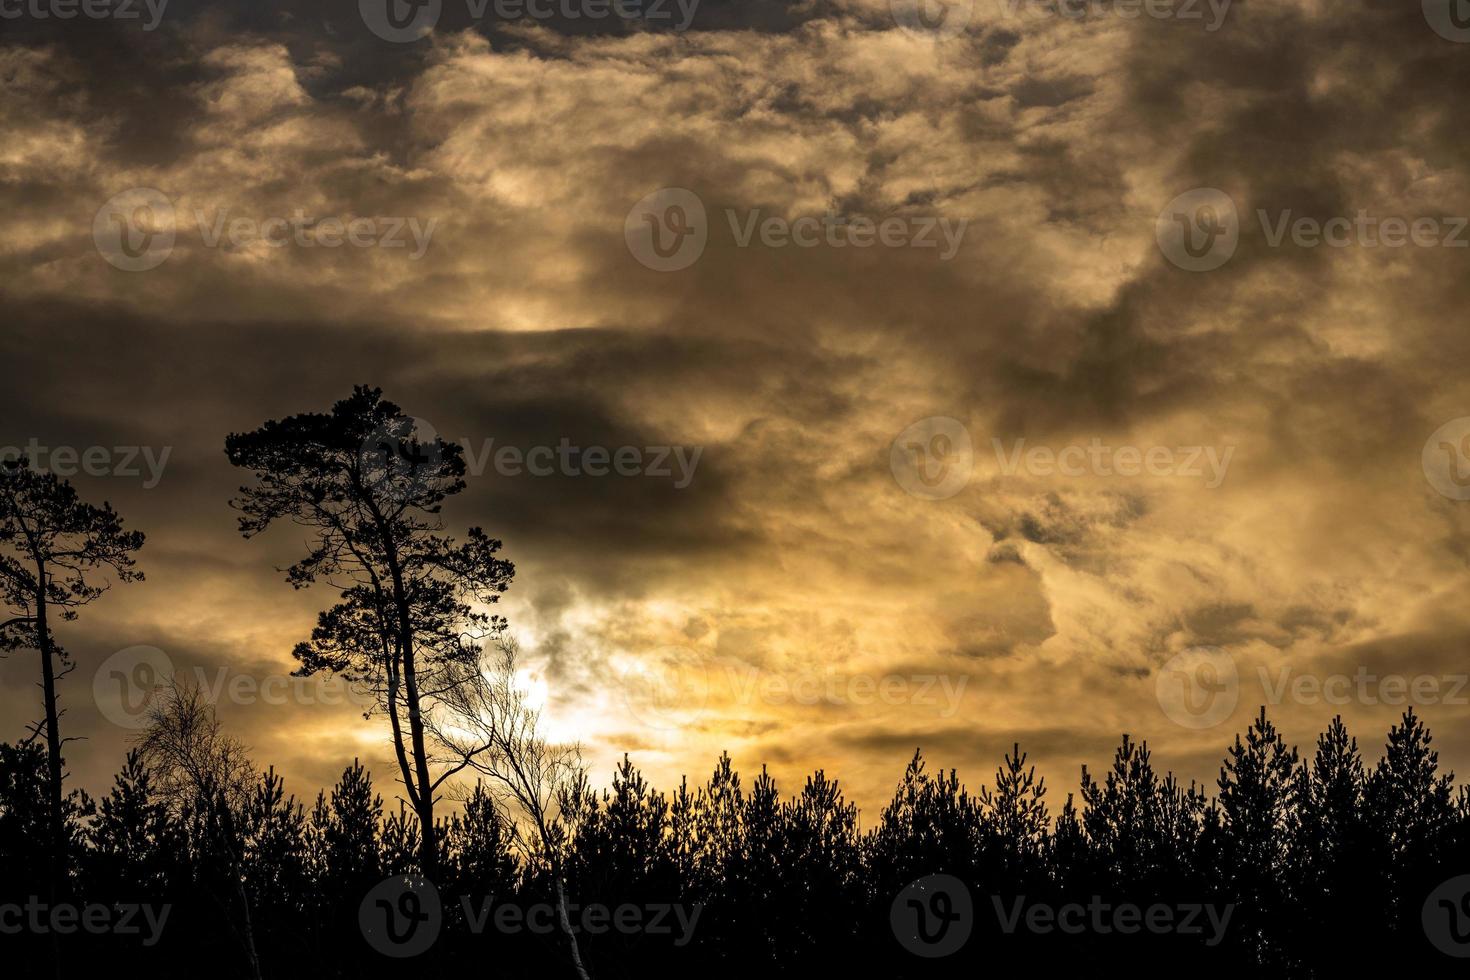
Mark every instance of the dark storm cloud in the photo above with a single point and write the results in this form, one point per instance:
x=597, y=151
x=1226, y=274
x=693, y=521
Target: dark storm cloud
x=135, y=382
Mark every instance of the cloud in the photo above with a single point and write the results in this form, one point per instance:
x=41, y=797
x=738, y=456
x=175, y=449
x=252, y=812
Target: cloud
x=527, y=320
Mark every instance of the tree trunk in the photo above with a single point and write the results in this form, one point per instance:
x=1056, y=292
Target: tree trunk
x=223, y=820
x=56, y=852
x=566, y=925
x=428, y=844
x=250, y=930
x=395, y=726
x=247, y=922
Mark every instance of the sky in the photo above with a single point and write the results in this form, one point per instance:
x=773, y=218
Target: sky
x=842, y=378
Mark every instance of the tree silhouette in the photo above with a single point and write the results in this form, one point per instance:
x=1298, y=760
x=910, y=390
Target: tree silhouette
x=490, y=725
x=53, y=548
x=932, y=825
x=1411, y=806
x=1016, y=820
x=1337, y=874
x=1142, y=830
x=479, y=841
x=1257, y=786
x=206, y=778
x=274, y=868
x=134, y=843
x=370, y=487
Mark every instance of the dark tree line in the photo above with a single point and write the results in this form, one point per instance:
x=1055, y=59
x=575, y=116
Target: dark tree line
x=1326, y=859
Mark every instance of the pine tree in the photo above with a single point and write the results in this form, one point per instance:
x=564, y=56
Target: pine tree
x=821, y=868
x=1120, y=818
x=25, y=819
x=398, y=846
x=480, y=847
x=350, y=833
x=932, y=825
x=1016, y=822
x=55, y=548
x=717, y=824
x=682, y=845
x=1337, y=873
x=1257, y=794
x=1068, y=856
x=757, y=880
x=274, y=866
x=133, y=842
x=371, y=487
x=634, y=820
x=1411, y=810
